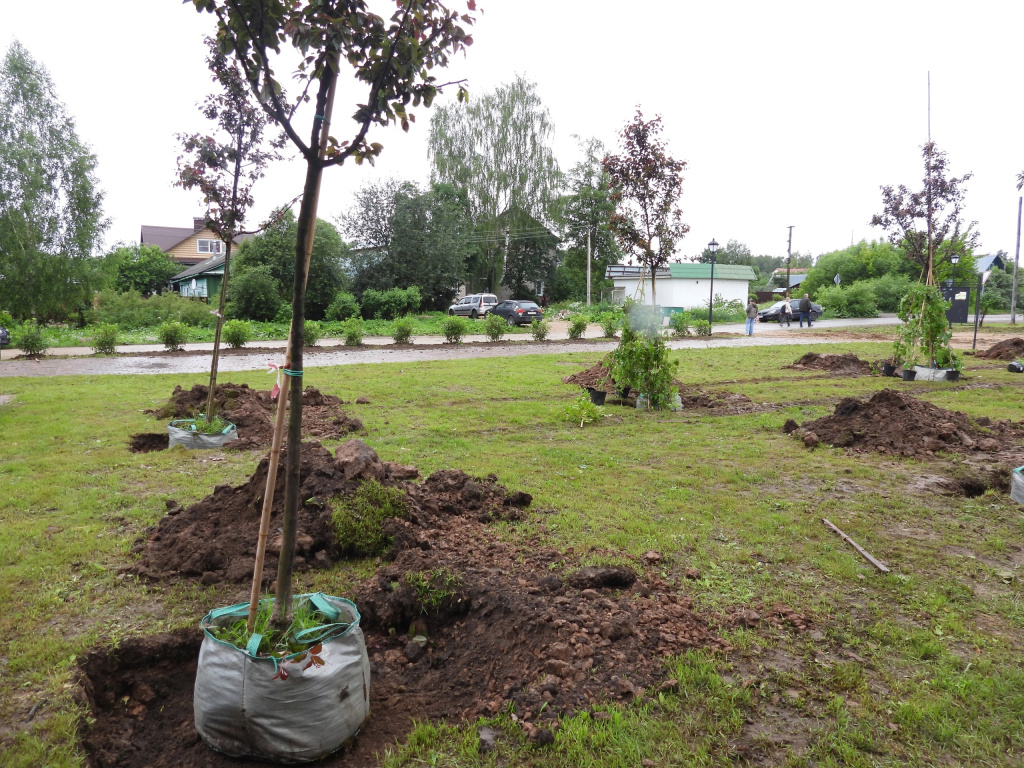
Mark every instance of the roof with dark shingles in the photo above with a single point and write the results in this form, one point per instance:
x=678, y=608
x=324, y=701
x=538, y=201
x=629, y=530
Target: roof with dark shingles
x=198, y=269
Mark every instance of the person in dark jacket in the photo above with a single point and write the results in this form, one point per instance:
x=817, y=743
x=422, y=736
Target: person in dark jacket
x=805, y=310
x=751, y=316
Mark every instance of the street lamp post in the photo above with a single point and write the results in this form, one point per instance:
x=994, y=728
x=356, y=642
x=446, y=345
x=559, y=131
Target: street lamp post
x=954, y=259
x=713, y=247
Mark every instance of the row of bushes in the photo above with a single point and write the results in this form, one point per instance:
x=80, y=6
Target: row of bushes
x=375, y=305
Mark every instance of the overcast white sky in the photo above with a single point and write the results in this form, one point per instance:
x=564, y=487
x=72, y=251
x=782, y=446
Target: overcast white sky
x=789, y=113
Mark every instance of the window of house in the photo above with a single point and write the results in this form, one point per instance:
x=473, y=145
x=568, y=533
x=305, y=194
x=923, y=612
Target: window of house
x=212, y=247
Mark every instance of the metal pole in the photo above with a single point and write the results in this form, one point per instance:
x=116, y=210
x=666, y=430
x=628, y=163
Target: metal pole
x=588, y=267
x=711, y=300
x=789, y=257
x=977, y=311
x=1016, y=266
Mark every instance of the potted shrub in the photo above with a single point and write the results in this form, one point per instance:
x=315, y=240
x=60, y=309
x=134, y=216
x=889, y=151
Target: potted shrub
x=201, y=433
x=641, y=363
x=925, y=336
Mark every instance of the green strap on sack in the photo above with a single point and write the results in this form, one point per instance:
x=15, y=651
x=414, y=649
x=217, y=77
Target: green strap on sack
x=325, y=606
x=253, y=646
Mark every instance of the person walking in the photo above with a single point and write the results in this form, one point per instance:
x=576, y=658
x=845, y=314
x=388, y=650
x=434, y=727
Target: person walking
x=786, y=313
x=805, y=310
x=751, y=316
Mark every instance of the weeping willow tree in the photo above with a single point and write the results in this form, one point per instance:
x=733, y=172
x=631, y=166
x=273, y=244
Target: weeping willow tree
x=51, y=216
x=498, y=148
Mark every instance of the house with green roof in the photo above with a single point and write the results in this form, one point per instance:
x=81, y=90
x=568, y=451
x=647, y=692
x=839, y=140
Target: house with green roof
x=200, y=281
x=680, y=286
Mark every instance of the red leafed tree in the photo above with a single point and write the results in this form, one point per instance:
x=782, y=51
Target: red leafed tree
x=646, y=184
x=224, y=167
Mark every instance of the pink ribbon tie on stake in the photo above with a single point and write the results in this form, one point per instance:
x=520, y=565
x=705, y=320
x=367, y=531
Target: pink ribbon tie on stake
x=277, y=385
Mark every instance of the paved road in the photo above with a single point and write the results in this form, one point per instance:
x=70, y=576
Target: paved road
x=379, y=350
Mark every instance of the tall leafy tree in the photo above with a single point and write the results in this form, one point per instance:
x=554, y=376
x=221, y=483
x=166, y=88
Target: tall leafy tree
x=430, y=243
x=51, y=216
x=273, y=248
x=498, y=148
x=532, y=256
x=586, y=213
x=928, y=224
x=223, y=167
x=368, y=223
x=394, y=60
x=143, y=268
x=407, y=237
x=368, y=226
x=646, y=186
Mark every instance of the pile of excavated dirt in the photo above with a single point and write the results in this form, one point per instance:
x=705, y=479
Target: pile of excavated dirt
x=252, y=411
x=215, y=539
x=901, y=425
x=597, y=377
x=847, y=364
x=510, y=624
x=1010, y=349
x=716, y=400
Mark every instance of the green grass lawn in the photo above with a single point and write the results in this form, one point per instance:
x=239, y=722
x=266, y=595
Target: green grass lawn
x=919, y=667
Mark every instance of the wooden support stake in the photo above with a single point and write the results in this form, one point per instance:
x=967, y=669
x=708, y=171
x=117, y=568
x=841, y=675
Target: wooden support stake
x=860, y=550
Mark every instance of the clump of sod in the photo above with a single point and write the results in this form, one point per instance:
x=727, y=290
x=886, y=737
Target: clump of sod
x=359, y=519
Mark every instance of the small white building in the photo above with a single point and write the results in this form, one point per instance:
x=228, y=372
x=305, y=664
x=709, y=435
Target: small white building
x=683, y=286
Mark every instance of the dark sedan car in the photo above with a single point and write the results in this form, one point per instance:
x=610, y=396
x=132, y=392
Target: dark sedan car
x=518, y=312
x=771, y=314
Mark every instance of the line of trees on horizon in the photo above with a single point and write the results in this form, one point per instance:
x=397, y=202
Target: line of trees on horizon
x=497, y=214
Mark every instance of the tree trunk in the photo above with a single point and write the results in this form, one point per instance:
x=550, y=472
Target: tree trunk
x=306, y=226
x=211, y=403
x=293, y=455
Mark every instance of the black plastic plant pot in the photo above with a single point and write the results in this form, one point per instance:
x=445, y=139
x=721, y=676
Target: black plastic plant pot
x=888, y=369
x=597, y=396
x=622, y=392
x=952, y=375
x=909, y=374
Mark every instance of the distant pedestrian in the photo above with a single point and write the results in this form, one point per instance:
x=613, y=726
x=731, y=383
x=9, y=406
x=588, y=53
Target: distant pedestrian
x=805, y=310
x=785, y=313
x=751, y=316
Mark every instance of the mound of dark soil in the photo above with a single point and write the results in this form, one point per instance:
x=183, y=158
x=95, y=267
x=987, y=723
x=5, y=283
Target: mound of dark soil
x=597, y=377
x=520, y=626
x=1010, y=349
x=505, y=623
x=252, y=411
x=215, y=539
x=899, y=424
x=715, y=399
x=847, y=364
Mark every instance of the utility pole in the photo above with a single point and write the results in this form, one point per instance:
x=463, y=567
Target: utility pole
x=588, y=266
x=1016, y=267
x=789, y=257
